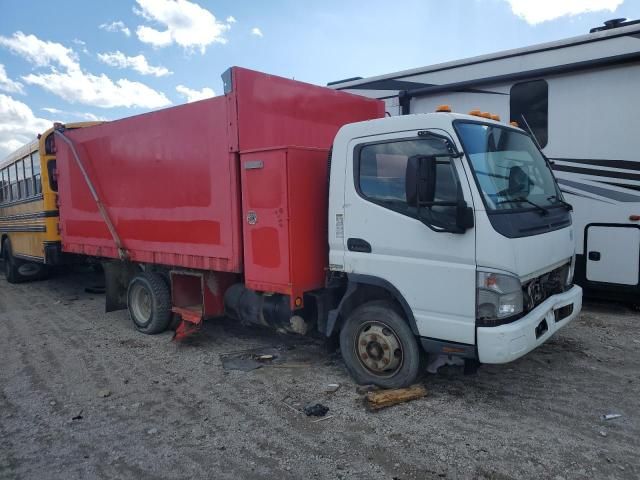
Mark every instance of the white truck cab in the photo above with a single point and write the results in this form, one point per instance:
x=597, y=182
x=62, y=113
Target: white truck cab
x=458, y=224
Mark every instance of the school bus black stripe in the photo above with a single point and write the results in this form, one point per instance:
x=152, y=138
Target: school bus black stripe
x=28, y=216
x=26, y=228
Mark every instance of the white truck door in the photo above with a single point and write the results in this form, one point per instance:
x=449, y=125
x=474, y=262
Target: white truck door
x=435, y=272
x=613, y=254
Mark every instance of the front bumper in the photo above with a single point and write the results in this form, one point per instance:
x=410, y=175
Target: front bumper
x=505, y=343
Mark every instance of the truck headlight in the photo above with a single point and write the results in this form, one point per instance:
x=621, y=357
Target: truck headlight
x=499, y=296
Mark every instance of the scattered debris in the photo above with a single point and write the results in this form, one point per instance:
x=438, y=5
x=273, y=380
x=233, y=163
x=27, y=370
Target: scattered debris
x=95, y=289
x=441, y=361
x=332, y=387
x=52, y=403
x=386, y=398
x=362, y=389
x=104, y=393
x=249, y=359
x=316, y=410
x=610, y=416
x=78, y=416
x=322, y=419
x=152, y=431
x=603, y=433
x=289, y=406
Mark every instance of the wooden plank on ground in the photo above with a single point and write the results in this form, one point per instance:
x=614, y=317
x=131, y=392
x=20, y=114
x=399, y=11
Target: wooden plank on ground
x=386, y=398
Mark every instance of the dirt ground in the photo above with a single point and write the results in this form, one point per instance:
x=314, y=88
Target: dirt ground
x=83, y=396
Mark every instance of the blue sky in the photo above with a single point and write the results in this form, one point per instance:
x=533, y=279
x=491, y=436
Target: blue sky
x=78, y=59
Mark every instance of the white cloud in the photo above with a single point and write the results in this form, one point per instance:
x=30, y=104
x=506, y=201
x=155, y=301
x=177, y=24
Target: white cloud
x=18, y=125
x=184, y=23
x=539, y=11
x=194, y=95
x=8, y=85
x=257, y=32
x=117, y=26
x=76, y=115
x=67, y=80
x=39, y=52
x=231, y=19
x=138, y=63
x=98, y=90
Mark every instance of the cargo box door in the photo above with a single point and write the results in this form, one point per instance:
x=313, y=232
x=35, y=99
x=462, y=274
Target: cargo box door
x=265, y=220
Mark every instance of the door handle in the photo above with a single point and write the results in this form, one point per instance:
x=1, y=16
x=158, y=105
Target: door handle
x=358, y=245
x=594, y=256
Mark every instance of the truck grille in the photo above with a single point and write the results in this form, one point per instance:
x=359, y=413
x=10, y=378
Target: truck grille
x=539, y=289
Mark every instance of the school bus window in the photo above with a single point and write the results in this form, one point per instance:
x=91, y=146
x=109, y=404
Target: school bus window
x=12, y=182
x=1, y=186
x=20, y=168
x=5, y=185
x=37, y=182
x=7, y=194
x=28, y=177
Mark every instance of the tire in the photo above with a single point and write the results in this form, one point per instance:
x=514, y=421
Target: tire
x=149, y=303
x=378, y=346
x=11, y=264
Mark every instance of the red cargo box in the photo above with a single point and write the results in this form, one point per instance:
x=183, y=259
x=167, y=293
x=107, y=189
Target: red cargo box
x=170, y=181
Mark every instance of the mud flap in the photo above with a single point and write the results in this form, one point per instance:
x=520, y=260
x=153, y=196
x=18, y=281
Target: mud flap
x=117, y=276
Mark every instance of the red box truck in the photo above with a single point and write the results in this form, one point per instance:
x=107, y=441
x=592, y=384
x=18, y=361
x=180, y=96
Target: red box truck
x=286, y=204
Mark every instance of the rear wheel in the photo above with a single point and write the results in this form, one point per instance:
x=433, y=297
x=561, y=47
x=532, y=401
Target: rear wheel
x=11, y=264
x=379, y=347
x=149, y=303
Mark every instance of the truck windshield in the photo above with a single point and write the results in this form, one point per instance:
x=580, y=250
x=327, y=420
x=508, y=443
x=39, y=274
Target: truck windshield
x=510, y=170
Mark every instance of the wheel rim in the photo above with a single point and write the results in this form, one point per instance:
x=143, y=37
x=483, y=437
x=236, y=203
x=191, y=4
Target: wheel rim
x=378, y=349
x=140, y=303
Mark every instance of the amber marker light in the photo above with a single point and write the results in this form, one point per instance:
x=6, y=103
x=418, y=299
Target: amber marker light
x=443, y=108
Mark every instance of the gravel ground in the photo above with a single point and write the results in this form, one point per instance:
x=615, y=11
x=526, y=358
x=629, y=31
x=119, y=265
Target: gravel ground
x=83, y=395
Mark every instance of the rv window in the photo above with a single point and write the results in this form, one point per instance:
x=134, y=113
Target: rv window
x=529, y=104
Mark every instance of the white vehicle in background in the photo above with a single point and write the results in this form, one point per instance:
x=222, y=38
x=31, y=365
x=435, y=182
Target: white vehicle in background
x=580, y=99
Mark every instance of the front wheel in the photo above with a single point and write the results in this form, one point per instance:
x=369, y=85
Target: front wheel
x=378, y=346
x=149, y=303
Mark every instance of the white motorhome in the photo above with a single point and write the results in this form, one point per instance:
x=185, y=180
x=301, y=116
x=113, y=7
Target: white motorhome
x=580, y=99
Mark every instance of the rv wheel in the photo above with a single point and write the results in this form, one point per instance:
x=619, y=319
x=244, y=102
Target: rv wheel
x=149, y=303
x=378, y=346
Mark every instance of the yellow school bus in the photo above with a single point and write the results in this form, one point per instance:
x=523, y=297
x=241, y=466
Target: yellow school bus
x=29, y=235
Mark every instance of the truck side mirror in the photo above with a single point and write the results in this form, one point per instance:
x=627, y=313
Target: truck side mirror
x=464, y=214
x=451, y=215
x=420, y=179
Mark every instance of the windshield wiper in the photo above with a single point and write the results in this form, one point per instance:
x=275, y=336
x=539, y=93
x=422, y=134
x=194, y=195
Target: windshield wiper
x=566, y=205
x=540, y=208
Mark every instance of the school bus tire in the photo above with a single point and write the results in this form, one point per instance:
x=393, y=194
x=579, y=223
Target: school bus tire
x=11, y=264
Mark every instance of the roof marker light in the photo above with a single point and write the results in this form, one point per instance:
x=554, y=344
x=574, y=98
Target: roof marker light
x=485, y=115
x=443, y=108
x=513, y=123
x=495, y=117
x=475, y=113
